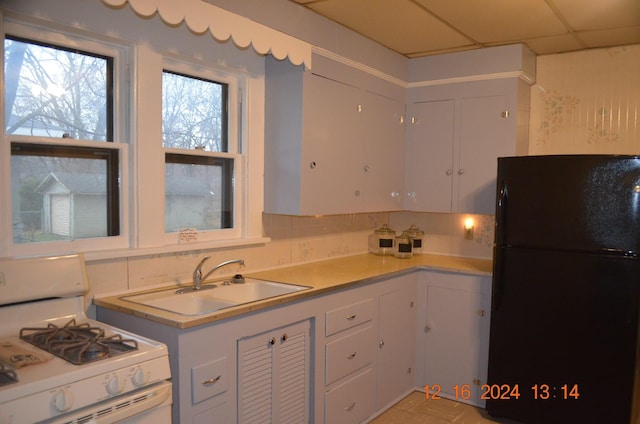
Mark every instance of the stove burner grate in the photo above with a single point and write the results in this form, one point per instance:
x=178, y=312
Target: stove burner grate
x=7, y=375
x=77, y=343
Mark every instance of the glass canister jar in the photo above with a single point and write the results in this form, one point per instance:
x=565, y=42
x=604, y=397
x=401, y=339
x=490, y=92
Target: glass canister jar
x=416, y=235
x=382, y=241
x=403, y=248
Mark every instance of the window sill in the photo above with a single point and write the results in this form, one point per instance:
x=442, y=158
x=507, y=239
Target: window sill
x=185, y=247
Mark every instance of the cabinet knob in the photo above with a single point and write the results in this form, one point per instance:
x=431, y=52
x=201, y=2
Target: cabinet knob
x=272, y=341
x=351, y=317
x=460, y=171
x=357, y=193
x=381, y=344
x=411, y=194
x=366, y=168
x=284, y=337
x=352, y=355
x=395, y=194
x=313, y=165
x=350, y=407
x=427, y=328
x=449, y=171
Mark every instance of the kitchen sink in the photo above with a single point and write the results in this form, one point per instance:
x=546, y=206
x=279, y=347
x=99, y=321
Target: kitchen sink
x=223, y=295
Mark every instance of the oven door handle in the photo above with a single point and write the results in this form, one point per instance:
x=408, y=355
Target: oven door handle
x=156, y=398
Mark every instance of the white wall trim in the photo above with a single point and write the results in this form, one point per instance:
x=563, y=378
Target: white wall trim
x=404, y=84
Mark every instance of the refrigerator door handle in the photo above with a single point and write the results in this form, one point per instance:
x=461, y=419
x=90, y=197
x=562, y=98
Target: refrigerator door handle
x=497, y=282
x=501, y=212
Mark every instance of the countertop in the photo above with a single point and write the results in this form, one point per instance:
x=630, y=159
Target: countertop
x=323, y=277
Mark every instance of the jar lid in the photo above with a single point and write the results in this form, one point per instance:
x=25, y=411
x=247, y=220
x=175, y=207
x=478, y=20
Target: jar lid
x=385, y=231
x=414, y=232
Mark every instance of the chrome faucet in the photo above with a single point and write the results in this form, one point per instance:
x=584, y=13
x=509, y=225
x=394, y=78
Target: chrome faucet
x=198, y=278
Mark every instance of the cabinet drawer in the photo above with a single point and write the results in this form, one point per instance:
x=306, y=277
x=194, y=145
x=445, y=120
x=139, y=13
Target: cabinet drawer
x=349, y=354
x=352, y=401
x=209, y=379
x=217, y=414
x=349, y=316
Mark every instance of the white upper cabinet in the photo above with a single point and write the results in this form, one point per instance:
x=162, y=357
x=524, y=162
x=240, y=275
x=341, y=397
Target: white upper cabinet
x=331, y=146
x=451, y=151
x=464, y=110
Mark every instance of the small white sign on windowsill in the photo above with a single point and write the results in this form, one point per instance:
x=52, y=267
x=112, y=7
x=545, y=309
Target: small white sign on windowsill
x=187, y=235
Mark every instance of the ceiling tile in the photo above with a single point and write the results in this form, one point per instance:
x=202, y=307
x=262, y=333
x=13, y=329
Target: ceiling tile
x=554, y=44
x=498, y=20
x=400, y=25
x=610, y=37
x=598, y=14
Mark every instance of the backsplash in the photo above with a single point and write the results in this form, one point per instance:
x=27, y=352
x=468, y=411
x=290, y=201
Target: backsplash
x=294, y=240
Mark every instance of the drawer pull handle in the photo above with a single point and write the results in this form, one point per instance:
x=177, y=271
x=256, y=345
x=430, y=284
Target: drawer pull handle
x=351, y=317
x=351, y=356
x=211, y=381
x=350, y=407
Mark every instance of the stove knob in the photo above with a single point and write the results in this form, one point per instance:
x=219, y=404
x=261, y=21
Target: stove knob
x=115, y=385
x=140, y=377
x=62, y=400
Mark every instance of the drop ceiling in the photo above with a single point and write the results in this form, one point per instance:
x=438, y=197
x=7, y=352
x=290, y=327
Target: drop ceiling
x=417, y=28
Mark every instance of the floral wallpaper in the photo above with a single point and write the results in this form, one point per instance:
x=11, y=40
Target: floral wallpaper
x=587, y=102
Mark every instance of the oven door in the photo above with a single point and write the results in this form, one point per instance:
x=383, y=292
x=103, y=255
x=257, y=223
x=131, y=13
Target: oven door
x=149, y=404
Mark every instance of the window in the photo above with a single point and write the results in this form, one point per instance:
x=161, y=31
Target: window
x=59, y=124
x=194, y=113
x=64, y=193
x=114, y=147
x=56, y=92
x=199, y=172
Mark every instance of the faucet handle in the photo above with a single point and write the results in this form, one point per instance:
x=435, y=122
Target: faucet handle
x=202, y=261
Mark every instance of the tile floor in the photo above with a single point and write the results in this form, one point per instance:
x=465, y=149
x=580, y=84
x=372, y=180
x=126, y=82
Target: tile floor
x=416, y=409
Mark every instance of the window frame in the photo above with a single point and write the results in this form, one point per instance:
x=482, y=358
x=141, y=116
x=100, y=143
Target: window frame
x=92, y=44
x=235, y=91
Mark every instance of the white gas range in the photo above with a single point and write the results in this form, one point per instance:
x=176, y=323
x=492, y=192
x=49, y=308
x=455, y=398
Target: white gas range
x=58, y=366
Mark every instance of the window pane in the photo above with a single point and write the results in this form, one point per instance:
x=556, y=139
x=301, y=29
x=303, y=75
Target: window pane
x=194, y=113
x=63, y=193
x=198, y=193
x=53, y=92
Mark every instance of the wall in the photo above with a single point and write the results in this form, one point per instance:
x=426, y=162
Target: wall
x=587, y=102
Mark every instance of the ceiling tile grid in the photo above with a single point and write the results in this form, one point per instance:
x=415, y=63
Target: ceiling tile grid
x=417, y=28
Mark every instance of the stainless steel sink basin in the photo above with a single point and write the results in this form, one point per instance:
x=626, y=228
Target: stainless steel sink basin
x=220, y=297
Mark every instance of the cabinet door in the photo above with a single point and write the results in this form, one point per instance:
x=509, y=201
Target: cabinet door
x=429, y=156
x=456, y=335
x=396, y=345
x=486, y=133
x=383, y=152
x=273, y=375
x=331, y=173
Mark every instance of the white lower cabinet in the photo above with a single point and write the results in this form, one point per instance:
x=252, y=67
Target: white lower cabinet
x=338, y=358
x=453, y=335
x=396, y=343
x=274, y=376
x=370, y=349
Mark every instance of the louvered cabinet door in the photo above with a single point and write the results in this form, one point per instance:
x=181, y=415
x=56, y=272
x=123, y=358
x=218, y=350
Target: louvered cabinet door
x=273, y=376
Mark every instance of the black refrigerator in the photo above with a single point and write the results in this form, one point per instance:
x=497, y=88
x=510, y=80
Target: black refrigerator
x=566, y=290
